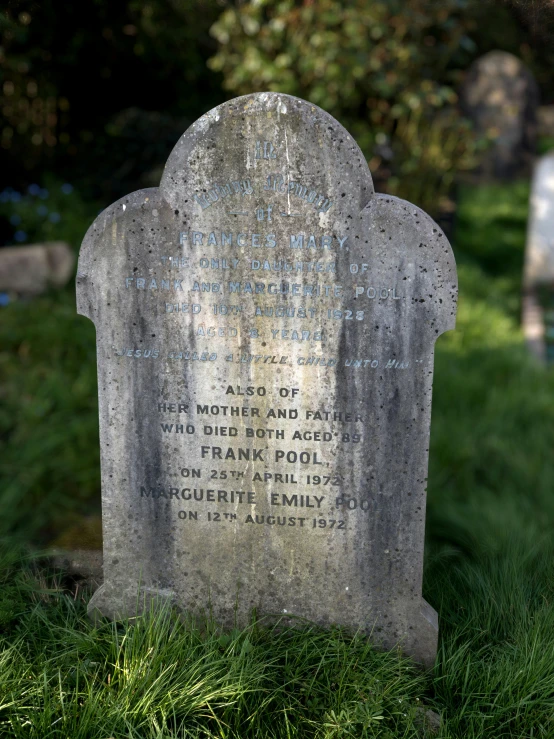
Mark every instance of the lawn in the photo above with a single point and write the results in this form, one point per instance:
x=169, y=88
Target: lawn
x=489, y=556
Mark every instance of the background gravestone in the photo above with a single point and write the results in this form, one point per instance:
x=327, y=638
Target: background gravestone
x=501, y=97
x=538, y=277
x=30, y=270
x=265, y=334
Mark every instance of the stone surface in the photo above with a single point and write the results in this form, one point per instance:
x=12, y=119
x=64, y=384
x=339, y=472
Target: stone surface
x=538, y=277
x=30, y=270
x=501, y=97
x=428, y=721
x=545, y=121
x=265, y=334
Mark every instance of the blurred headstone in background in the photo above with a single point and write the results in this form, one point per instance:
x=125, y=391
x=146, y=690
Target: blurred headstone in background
x=538, y=278
x=30, y=270
x=501, y=97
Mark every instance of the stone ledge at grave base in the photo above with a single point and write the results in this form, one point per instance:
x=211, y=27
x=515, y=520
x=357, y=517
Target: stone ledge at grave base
x=265, y=430
x=83, y=564
x=419, y=640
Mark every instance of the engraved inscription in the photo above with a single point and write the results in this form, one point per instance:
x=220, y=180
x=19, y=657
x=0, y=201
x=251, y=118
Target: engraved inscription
x=265, y=334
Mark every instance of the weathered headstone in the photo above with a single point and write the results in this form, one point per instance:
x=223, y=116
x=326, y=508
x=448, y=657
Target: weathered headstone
x=538, y=278
x=500, y=96
x=265, y=334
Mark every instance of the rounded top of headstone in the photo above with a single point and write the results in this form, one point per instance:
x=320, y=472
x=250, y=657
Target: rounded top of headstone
x=495, y=78
x=500, y=62
x=310, y=143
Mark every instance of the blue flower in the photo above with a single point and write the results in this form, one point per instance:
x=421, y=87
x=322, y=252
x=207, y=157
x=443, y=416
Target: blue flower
x=33, y=189
x=43, y=194
x=20, y=236
x=54, y=217
x=15, y=220
x=4, y=299
x=4, y=197
x=15, y=197
x=42, y=210
x=67, y=189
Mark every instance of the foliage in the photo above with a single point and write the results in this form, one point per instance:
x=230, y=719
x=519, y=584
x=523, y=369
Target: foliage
x=161, y=677
x=388, y=69
x=99, y=92
x=491, y=229
x=48, y=415
x=55, y=212
x=490, y=506
x=48, y=408
x=69, y=71
x=489, y=568
x=493, y=418
x=105, y=108
x=494, y=677
x=384, y=68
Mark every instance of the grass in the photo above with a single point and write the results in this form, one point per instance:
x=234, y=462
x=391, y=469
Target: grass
x=161, y=677
x=48, y=416
x=49, y=451
x=489, y=558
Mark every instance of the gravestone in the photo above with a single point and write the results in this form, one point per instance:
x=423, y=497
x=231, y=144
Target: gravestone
x=265, y=332
x=538, y=277
x=501, y=97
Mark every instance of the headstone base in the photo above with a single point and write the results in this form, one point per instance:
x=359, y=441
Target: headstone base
x=122, y=605
x=106, y=603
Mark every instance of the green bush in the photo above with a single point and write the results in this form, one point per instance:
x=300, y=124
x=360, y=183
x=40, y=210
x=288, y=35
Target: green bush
x=49, y=443
x=53, y=212
x=384, y=69
x=49, y=469
x=101, y=124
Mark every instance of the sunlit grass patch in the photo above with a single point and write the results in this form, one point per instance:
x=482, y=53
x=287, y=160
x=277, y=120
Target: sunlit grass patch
x=160, y=675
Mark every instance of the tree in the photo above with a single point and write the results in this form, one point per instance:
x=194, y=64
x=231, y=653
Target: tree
x=385, y=68
x=81, y=83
